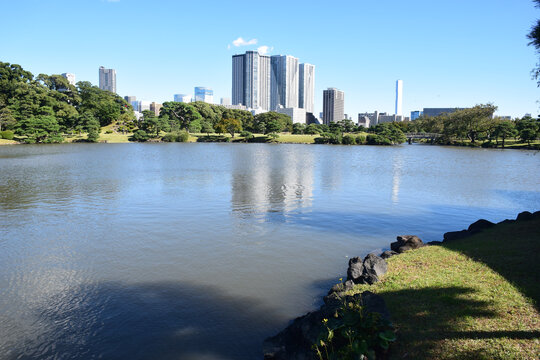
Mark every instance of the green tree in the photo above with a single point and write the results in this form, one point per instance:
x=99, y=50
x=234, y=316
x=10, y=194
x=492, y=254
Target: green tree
x=152, y=124
x=504, y=130
x=40, y=129
x=312, y=129
x=181, y=113
x=528, y=130
x=228, y=125
x=298, y=128
x=6, y=118
x=273, y=126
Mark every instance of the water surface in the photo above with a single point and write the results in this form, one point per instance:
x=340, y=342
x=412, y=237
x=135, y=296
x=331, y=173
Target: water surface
x=200, y=251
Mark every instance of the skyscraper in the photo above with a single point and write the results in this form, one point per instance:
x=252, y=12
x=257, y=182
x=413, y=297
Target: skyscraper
x=284, y=81
x=204, y=94
x=333, y=105
x=251, y=80
x=306, y=89
x=107, y=79
x=399, y=97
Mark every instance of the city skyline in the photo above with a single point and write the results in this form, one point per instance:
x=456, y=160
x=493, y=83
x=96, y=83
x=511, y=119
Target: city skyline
x=448, y=55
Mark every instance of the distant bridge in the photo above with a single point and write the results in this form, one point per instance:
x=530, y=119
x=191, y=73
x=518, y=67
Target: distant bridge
x=430, y=136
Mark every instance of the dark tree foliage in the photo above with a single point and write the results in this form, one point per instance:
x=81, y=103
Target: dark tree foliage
x=534, y=37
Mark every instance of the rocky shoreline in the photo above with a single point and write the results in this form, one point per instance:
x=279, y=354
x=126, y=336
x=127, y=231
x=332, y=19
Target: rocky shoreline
x=296, y=340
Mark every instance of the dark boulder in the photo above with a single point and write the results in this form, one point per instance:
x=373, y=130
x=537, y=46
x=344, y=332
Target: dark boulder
x=455, y=235
x=434, y=242
x=355, y=270
x=388, y=253
x=406, y=242
x=536, y=215
x=341, y=287
x=374, y=268
x=296, y=340
x=524, y=216
x=480, y=225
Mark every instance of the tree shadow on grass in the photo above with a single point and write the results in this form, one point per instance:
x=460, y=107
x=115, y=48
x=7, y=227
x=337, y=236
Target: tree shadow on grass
x=165, y=320
x=426, y=317
x=511, y=249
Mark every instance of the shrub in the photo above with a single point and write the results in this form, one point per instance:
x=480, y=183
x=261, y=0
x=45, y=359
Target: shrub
x=6, y=134
x=108, y=132
x=361, y=139
x=353, y=333
x=247, y=135
x=140, y=136
x=329, y=138
x=181, y=136
x=348, y=140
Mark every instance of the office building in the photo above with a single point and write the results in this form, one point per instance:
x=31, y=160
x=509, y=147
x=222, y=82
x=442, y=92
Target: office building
x=155, y=107
x=364, y=120
x=399, y=97
x=70, y=78
x=284, y=81
x=416, y=114
x=107, y=79
x=306, y=89
x=204, y=94
x=251, y=80
x=333, y=105
x=183, y=98
x=297, y=115
x=439, y=111
x=130, y=99
x=225, y=101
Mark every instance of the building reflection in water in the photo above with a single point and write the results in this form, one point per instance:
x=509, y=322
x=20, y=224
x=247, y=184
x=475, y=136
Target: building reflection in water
x=271, y=180
x=397, y=171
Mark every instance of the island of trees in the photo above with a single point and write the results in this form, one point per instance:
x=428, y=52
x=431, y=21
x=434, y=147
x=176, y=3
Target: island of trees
x=47, y=109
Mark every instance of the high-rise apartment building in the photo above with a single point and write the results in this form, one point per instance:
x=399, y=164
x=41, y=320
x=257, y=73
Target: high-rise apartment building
x=70, y=78
x=284, y=82
x=225, y=101
x=333, y=105
x=306, y=89
x=204, y=94
x=399, y=97
x=107, y=79
x=265, y=83
x=251, y=80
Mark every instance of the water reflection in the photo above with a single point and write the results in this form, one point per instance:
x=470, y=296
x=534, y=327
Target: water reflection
x=272, y=180
x=397, y=165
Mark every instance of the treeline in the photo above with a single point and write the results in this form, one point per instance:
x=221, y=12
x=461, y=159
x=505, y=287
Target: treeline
x=44, y=108
x=474, y=125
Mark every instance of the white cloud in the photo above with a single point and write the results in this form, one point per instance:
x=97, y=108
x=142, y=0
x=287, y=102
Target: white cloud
x=241, y=42
x=263, y=50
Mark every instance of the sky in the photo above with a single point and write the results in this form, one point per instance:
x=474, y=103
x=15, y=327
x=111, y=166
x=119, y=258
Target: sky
x=448, y=53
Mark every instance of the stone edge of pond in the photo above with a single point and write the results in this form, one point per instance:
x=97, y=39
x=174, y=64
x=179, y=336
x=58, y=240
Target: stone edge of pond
x=296, y=340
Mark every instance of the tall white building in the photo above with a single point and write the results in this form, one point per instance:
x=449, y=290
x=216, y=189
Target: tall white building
x=306, y=89
x=399, y=97
x=183, y=98
x=284, y=81
x=70, y=78
x=107, y=79
x=204, y=94
x=333, y=105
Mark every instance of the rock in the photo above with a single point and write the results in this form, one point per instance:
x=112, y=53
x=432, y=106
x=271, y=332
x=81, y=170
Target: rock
x=388, y=253
x=349, y=284
x=355, y=270
x=295, y=341
x=536, y=215
x=479, y=225
x=524, y=216
x=406, y=242
x=455, y=235
x=435, y=242
x=336, y=288
x=374, y=268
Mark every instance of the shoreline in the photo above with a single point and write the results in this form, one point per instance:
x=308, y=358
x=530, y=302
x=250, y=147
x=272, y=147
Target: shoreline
x=374, y=280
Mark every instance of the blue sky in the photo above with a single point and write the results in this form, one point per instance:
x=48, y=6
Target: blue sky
x=448, y=53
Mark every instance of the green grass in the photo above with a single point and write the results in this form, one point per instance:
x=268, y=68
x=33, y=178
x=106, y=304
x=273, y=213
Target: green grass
x=475, y=298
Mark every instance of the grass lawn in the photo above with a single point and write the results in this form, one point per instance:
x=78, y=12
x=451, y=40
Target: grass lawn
x=475, y=298
x=7, y=142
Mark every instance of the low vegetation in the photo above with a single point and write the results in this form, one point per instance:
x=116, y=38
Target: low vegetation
x=474, y=298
